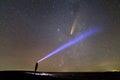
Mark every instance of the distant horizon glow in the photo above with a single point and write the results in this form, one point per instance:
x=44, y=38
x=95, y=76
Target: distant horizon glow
x=81, y=37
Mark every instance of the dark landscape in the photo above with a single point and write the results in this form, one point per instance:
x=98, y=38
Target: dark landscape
x=29, y=75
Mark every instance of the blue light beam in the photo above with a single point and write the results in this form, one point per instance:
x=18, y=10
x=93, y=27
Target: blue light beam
x=71, y=42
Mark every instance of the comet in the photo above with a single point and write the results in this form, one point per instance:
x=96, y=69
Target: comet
x=74, y=25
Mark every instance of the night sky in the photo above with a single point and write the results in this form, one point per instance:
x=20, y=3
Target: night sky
x=31, y=29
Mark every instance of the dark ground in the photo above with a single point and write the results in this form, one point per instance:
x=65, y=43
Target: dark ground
x=29, y=75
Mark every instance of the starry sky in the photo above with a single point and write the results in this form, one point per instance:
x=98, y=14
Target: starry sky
x=31, y=29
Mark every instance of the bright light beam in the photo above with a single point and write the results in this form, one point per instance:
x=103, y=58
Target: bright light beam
x=71, y=42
